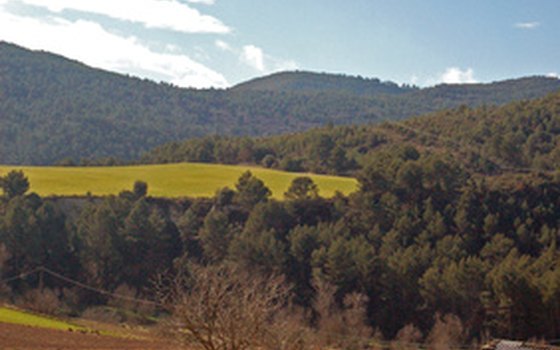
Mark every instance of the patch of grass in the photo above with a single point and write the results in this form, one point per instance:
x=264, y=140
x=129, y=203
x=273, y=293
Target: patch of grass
x=167, y=180
x=8, y=315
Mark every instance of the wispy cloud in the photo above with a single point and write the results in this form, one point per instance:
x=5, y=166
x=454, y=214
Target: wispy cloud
x=164, y=14
x=90, y=43
x=527, y=25
x=254, y=57
x=222, y=45
x=455, y=75
x=284, y=65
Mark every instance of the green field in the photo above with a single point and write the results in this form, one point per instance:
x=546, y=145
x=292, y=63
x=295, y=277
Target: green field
x=8, y=315
x=168, y=180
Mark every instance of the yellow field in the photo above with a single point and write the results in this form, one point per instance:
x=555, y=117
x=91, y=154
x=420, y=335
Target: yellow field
x=9, y=315
x=168, y=180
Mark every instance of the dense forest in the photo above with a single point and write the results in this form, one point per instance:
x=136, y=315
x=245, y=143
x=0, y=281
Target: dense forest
x=421, y=238
x=519, y=136
x=54, y=109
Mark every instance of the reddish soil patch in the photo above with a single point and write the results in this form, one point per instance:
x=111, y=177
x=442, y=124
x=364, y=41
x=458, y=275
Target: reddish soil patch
x=24, y=337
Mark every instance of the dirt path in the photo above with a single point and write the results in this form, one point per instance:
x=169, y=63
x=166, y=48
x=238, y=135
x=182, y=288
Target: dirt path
x=24, y=337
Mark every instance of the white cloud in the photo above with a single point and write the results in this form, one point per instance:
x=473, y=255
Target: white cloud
x=254, y=57
x=454, y=75
x=284, y=65
x=88, y=42
x=553, y=75
x=222, y=45
x=527, y=25
x=164, y=14
x=204, y=2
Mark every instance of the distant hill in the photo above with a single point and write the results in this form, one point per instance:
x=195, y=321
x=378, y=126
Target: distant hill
x=53, y=108
x=309, y=82
x=497, y=93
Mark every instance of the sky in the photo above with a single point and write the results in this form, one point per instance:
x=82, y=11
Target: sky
x=220, y=43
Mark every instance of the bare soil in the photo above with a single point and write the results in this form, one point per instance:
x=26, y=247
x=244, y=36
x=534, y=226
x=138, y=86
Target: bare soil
x=25, y=337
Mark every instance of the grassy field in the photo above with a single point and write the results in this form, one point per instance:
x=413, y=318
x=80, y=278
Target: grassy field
x=8, y=315
x=168, y=180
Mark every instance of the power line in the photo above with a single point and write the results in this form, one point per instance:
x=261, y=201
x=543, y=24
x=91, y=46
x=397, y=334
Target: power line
x=20, y=276
x=79, y=284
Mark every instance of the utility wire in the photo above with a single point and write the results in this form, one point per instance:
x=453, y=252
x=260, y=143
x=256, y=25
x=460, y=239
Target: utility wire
x=79, y=284
x=20, y=276
x=97, y=290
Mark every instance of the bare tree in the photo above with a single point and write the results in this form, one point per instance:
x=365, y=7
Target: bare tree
x=223, y=308
x=407, y=338
x=4, y=257
x=447, y=333
x=345, y=326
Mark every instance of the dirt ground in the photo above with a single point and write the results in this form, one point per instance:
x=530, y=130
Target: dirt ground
x=25, y=337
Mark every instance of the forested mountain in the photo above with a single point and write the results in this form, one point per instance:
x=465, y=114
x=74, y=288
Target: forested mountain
x=53, y=108
x=519, y=136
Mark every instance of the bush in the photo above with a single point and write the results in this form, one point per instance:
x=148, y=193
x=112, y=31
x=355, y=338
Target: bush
x=269, y=161
x=293, y=165
x=447, y=333
x=44, y=301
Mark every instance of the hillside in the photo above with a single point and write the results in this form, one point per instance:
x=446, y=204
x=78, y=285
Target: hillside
x=53, y=108
x=520, y=136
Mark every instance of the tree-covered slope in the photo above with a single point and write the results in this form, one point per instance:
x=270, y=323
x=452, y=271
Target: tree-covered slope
x=520, y=136
x=53, y=108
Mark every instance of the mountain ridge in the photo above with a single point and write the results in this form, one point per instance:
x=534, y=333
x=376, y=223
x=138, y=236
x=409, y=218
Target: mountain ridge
x=53, y=108
x=308, y=81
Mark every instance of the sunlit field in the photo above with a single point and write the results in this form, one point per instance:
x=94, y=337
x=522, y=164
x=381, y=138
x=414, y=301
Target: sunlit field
x=168, y=180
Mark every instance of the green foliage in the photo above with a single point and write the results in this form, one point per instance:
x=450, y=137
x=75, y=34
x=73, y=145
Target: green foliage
x=215, y=236
x=14, y=184
x=140, y=189
x=250, y=191
x=302, y=188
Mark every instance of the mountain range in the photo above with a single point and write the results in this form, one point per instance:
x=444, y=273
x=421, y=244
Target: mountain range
x=53, y=108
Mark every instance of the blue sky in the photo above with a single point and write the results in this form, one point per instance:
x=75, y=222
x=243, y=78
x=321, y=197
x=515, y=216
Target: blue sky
x=219, y=43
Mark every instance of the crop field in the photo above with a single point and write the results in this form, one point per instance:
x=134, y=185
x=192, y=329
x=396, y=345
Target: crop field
x=167, y=180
